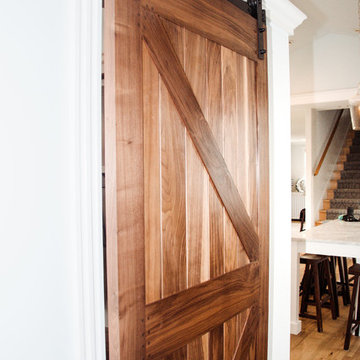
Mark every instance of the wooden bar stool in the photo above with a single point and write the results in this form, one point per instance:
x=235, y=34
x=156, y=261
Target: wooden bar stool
x=311, y=280
x=353, y=320
x=341, y=286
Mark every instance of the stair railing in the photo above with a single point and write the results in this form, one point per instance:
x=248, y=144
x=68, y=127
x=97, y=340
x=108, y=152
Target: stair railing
x=328, y=143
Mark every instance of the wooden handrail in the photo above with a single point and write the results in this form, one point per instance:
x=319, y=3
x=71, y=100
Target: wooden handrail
x=328, y=143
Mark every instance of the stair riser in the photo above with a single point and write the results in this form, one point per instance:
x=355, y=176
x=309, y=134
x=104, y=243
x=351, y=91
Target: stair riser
x=345, y=194
x=353, y=157
x=348, y=185
x=356, y=141
x=352, y=166
x=344, y=204
x=350, y=174
x=355, y=149
x=334, y=214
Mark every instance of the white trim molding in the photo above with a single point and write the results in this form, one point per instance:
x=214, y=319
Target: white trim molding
x=86, y=39
x=330, y=99
x=283, y=14
x=282, y=18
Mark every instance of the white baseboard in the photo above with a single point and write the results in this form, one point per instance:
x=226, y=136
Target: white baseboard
x=295, y=327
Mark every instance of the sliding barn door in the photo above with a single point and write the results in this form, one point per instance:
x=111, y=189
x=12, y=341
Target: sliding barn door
x=186, y=181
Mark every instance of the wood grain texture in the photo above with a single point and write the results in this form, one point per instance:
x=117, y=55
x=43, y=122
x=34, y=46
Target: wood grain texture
x=152, y=191
x=190, y=112
x=197, y=186
x=233, y=248
x=215, y=120
x=252, y=143
x=247, y=165
x=125, y=122
x=217, y=20
x=263, y=204
x=173, y=197
x=173, y=183
x=174, y=321
x=248, y=334
x=166, y=122
x=110, y=182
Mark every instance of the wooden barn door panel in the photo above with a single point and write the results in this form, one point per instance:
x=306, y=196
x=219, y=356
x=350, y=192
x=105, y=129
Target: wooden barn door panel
x=204, y=166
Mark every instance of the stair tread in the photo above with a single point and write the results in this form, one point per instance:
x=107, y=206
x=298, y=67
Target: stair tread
x=345, y=199
x=346, y=194
x=349, y=180
x=342, y=211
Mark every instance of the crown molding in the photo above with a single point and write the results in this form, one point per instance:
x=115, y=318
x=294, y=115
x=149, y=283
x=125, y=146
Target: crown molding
x=283, y=14
x=329, y=99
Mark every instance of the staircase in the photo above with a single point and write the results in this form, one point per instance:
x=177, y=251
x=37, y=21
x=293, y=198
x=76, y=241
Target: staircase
x=344, y=190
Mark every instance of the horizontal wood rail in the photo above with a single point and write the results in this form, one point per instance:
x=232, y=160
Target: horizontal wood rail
x=329, y=142
x=173, y=321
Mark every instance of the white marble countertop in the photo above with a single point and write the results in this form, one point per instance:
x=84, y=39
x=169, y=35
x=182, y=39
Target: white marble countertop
x=336, y=231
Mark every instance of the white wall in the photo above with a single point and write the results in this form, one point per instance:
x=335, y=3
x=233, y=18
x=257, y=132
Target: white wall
x=326, y=63
x=39, y=218
x=297, y=161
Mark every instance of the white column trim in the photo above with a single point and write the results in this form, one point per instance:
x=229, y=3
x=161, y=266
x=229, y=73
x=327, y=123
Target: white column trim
x=282, y=18
x=283, y=14
x=86, y=39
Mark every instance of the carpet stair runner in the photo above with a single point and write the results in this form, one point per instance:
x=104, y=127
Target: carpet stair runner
x=344, y=188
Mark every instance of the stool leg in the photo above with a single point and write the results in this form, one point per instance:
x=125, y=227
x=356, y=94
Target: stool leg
x=342, y=280
x=357, y=316
x=351, y=313
x=331, y=291
x=317, y=297
x=334, y=286
x=346, y=278
x=306, y=289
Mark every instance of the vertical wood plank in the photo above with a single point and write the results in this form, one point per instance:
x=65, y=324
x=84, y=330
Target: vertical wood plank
x=173, y=197
x=110, y=182
x=216, y=211
x=246, y=99
x=152, y=210
x=247, y=144
x=243, y=149
x=252, y=144
x=232, y=243
x=126, y=122
x=197, y=182
x=263, y=203
x=173, y=179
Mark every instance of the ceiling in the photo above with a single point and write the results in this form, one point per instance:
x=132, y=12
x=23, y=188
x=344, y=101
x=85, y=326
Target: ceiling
x=324, y=17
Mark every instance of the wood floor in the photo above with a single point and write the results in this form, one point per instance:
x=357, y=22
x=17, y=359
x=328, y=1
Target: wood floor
x=311, y=345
